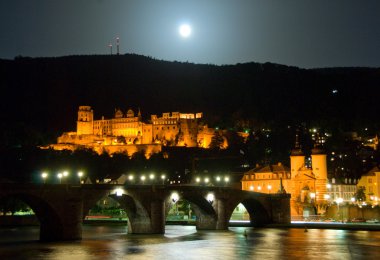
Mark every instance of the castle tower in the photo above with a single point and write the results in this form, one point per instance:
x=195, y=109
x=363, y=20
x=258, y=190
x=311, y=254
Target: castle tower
x=319, y=166
x=139, y=115
x=85, y=121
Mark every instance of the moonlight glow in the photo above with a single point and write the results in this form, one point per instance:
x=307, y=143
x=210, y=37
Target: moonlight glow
x=185, y=30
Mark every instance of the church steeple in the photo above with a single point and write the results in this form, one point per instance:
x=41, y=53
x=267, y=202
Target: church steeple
x=297, y=151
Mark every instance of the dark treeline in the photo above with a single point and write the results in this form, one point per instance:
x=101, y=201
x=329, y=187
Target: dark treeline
x=180, y=164
x=26, y=163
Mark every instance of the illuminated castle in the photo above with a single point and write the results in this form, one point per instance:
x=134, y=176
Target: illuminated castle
x=127, y=133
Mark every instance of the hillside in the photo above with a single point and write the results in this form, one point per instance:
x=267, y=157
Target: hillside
x=44, y=93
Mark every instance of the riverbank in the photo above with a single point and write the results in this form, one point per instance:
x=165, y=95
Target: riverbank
x=302, y=225
x=333, y=225
x=33, y=221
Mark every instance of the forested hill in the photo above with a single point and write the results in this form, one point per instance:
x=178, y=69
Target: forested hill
x=44, y=93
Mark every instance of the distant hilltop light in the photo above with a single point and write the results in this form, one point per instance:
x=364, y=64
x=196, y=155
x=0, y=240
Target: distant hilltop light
x=335, y=91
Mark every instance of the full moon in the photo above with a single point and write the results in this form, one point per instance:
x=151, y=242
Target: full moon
x=185, y=30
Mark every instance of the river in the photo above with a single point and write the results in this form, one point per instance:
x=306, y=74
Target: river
x=184, y=242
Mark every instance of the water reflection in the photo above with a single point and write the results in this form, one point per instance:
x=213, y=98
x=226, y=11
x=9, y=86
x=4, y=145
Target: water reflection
x=184, y=242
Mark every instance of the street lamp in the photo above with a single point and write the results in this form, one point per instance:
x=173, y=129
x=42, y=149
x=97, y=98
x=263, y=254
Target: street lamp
x=269, y=188
x=119, y=192
x=151, y=177
x=163, y=178
x=80, y=175
x=60, y=175
x=174, y=197
x=226, y=179
x=210, y=198
x=44, y=175
x=142, y=178
x=197, y=180
x=131, y=177
x=207, y=180
x=65, y=174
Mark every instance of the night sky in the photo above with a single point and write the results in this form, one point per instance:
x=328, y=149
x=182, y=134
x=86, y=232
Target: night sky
x=304, y=33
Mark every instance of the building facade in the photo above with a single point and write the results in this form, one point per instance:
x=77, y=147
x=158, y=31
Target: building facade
x=370, y=182
x=307, y=185
x=343, y=189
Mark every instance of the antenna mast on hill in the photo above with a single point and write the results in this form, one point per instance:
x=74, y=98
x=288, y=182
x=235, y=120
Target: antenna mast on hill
x=110, y=46
x=117, y=45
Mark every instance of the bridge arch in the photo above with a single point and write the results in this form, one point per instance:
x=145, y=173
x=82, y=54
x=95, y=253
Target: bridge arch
x=137, y=214
x=258, y=214
x=51, y=224
x=206, y=216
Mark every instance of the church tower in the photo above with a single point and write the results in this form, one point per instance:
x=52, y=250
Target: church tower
x=85, y=121
x=297, y=166
x=319, y=166
x=297, y=159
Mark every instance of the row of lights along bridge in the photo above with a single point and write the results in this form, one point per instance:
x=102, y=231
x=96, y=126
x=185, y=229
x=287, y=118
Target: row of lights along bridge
x=62, y=176
x=142, y=179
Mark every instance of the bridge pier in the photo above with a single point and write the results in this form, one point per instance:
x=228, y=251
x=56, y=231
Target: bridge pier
x=213, y=221
x=205, y=222
x=153, y=223
x=280, y=209
x=66, y=225
x=223, y=221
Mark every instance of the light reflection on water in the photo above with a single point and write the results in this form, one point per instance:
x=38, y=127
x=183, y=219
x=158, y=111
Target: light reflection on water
x=184, y=242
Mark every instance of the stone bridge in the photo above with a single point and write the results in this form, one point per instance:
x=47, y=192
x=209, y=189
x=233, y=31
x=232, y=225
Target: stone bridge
x=62, y=208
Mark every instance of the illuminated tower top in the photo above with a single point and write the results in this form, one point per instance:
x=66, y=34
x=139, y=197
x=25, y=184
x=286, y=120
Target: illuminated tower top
x=297, y=151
